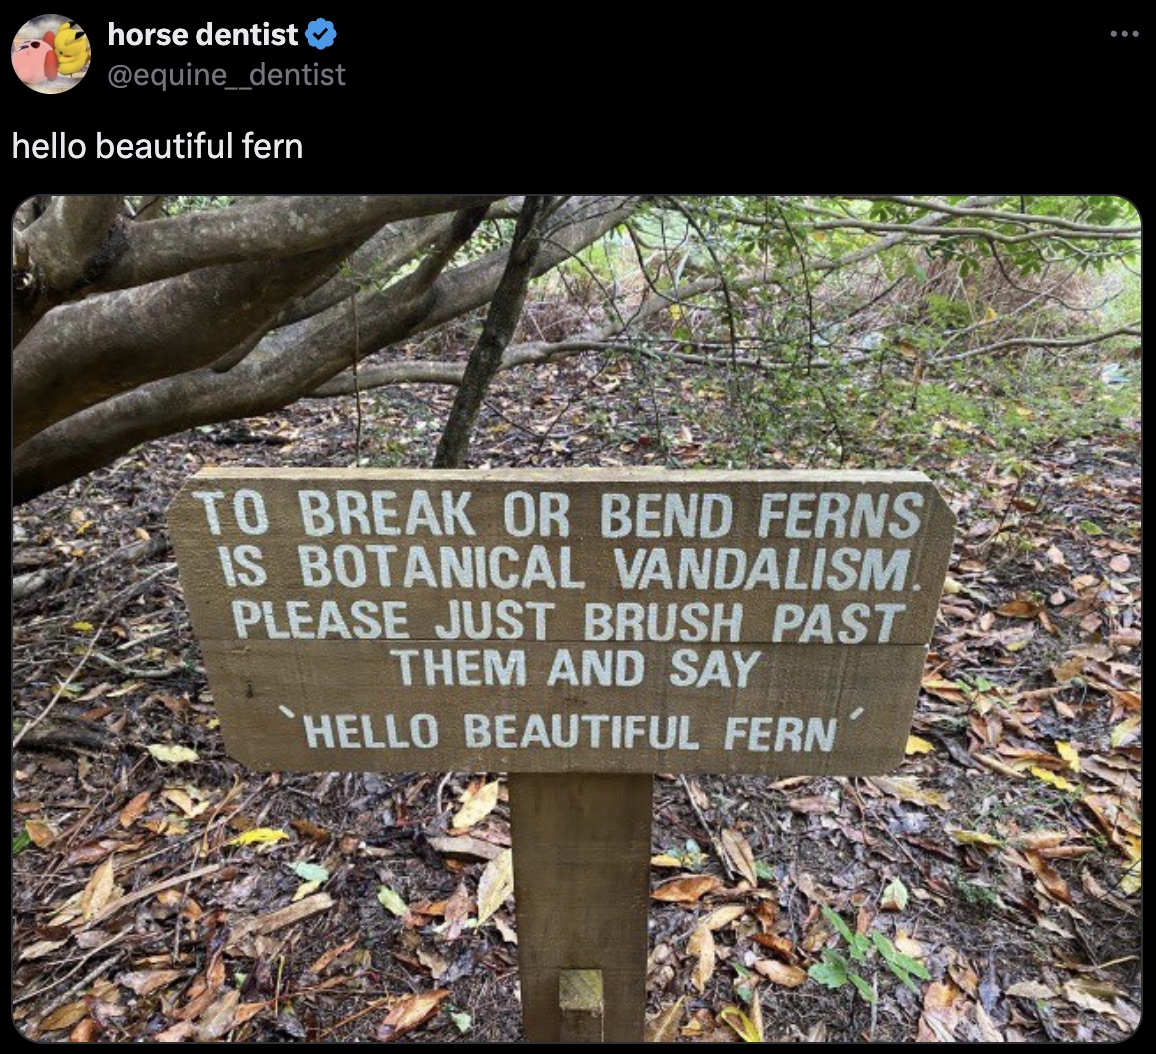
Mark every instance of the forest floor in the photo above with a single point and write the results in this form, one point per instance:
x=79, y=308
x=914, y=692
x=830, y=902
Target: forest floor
x=1002, y=858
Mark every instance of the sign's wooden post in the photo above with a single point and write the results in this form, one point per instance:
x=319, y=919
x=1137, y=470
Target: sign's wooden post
x=579, y=630
x=581, y=891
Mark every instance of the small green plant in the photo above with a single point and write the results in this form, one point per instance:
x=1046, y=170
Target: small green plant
x=836, y=971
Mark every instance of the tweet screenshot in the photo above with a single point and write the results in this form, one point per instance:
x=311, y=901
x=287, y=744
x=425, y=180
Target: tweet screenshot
x=453, y=616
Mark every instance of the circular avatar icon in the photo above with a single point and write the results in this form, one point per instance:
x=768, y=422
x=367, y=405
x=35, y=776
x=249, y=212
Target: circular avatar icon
x=50, y=54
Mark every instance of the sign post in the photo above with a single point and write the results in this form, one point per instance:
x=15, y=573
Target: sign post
x=580, y=630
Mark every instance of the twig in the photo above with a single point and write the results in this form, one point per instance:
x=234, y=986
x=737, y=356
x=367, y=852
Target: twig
x=720, y=852
x=79, y=984
x=63, y=686
x=376, y=1004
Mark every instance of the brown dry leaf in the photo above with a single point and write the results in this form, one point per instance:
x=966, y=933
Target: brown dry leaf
x=1030, y=990
x=85, y=1031
x=663, y=1027
x=724, y=916
x=906, y=788
x=65, y=1016
x=476, y=806
x=144, y=981
x=943, y=1008
x=783, y=947
x=781, y=973
x=1120, y=564
x=308, y=829
x=41, y=949
x=509, y=935
x=738, y=851
x=457, y=910
x=219, y=1017
x=132, y=811
x=100, y=889
x=186, y=802
x=1051, y=879
x=496, y=883
x=247, y=1011
x=987, y=1030
x=408, y=1013
x=1083, y=998
x=326, y=958
x=41, y=833
x=177, y=1033
x=1022, y=608
x=433, y=962
x=815, y=803
x=746, y=1029
x=687, y=889
x=465, y=845
x=701, y=943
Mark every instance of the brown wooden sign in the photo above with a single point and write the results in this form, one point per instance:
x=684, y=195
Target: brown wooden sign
x=620, y=621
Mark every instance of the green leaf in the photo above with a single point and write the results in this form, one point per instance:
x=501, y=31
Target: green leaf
x=1088, y=527
x=859, y=947
x=763, y=870
x=903, y=966
x=832, y=971
x=841, y=927
x=391, y=901
x=462, y=1021
x=865, y=990
x=21, y=842
x=310, y=872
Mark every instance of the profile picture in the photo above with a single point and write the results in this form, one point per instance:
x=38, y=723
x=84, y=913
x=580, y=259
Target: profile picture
x=50, y=54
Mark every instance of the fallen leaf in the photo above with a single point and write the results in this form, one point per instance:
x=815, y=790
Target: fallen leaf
x=432, y=961
x=965, y=837
x=663, y=1027
x=1126, y=731
x=724, y=916
x=1030, y=990
x=781, y=946
x=987, y=1030
x=457, y=910
x=1069, y=754
x=310, y=872
x=310, y=830
x=665, y=860
x=409, y=1012
x=906, y=788
x=918, y=745
x=744, y=1027
x=1120, y=563
x=686, y=890
x=171, y=754
x=391, y=901
x=1087, y=1000
x=465, y=845
x=1052, y=881
x=86, y=1031
x=41, y=949
x=259, y=836
x=1051, y=778
x=323, y=961
x=41, y=834
x=219, y=1017
x=477, y=806
x=304, y=890
x=144, y=981
x=132, y=811
x=185, y=801
x=496, y=883
x=462, y=1021
x=738, y=851
x=1020, y=609
x=781, y=973
x=99, y=890
x=894, y=896
x=65, y=1016
x=701, y=943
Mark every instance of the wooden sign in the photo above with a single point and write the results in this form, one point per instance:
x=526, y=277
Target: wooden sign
x=617, y=621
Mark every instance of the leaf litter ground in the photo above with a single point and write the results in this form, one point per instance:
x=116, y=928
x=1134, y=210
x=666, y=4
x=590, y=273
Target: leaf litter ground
x=161, y=891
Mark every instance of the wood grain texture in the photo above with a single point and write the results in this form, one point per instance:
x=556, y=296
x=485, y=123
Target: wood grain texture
x=581, y=886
